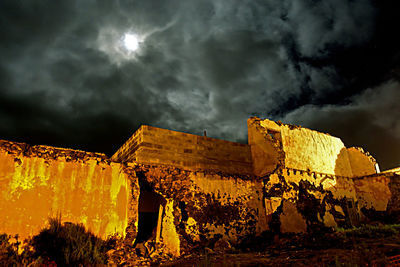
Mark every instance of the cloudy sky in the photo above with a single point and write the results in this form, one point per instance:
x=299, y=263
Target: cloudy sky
x=69, y=79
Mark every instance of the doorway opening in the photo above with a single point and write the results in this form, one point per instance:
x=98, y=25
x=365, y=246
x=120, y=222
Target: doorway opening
x=151, y=207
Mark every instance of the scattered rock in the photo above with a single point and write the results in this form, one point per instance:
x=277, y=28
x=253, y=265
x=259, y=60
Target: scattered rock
x=222, y=245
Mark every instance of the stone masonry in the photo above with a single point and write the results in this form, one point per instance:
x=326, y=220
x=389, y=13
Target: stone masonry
x=176, y=192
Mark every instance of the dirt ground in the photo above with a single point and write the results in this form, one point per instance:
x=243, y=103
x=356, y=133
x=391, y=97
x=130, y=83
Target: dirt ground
x=364, y=246
x=356, y=252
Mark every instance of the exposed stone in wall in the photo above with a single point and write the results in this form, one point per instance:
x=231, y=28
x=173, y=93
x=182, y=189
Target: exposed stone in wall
x=299, y=201
x=205, y=206
x=169, y=234
x=361, y=162
x=379, y=196
x=197, y=191
x=37, y=182
x=393, y=207
x=373, y=192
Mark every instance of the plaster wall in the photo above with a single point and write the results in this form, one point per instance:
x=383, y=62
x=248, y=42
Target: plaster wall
x=37, y=182
x=306, y=149
x=361, y=163
x=274, y=144
x=374, y=191
x=266, y=146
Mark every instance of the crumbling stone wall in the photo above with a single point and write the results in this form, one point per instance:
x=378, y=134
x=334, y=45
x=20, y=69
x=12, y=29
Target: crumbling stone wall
x=306, y=175
x=288, y=179
x=37, y=182
x=306, y=149
x=379, y=197
x=300, y=201
x=274, y=144
x=205, y=206
x=361, y=162
x=152, y=145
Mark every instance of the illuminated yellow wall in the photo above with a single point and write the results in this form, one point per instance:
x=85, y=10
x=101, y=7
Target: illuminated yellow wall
x=40, y=181
x=361, y=162
x=374, y=191
x=306, y=149
x=266, y=147
x=302, y=149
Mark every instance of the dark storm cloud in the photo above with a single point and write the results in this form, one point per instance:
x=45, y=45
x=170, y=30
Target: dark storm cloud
x=66, y=79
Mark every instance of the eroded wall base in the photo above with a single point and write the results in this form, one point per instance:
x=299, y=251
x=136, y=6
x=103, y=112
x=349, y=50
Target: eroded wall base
x=203, y=207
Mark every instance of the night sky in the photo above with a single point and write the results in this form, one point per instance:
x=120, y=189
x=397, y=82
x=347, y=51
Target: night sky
x=69, y=79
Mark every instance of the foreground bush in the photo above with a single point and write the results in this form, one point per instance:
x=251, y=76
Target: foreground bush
x=371, y=231
x=69, y=244
x=8, y=252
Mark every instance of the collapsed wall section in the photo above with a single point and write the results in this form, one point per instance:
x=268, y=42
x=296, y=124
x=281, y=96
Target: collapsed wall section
x=38, y=182
x=203, y=207
x=151, y=145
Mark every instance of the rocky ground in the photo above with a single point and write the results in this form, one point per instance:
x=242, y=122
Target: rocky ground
x=349, y=248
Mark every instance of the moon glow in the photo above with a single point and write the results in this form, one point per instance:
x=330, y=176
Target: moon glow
x=131, y=42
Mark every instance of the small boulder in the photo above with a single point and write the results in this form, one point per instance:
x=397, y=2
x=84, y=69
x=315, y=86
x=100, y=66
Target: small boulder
x=222, y=245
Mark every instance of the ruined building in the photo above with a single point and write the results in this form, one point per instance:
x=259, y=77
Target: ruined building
x=183, y=191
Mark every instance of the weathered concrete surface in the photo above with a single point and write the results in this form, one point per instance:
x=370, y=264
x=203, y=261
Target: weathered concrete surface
x=204, y=206
x=152, y=145
x=37, y=182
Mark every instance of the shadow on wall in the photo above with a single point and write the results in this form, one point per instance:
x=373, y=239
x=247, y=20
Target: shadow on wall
x=344, y=190
x=342, y=164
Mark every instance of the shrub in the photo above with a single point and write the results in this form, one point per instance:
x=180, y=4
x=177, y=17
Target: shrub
x=371, y=231
x=8, y=251
x=69, y=244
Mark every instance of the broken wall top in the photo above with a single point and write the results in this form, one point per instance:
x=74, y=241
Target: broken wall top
x=395, y=170
x=307, y=150
x=362, y=163
x=50, y=152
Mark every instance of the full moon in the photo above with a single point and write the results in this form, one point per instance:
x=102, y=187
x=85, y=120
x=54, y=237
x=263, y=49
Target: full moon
x=131, y=42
